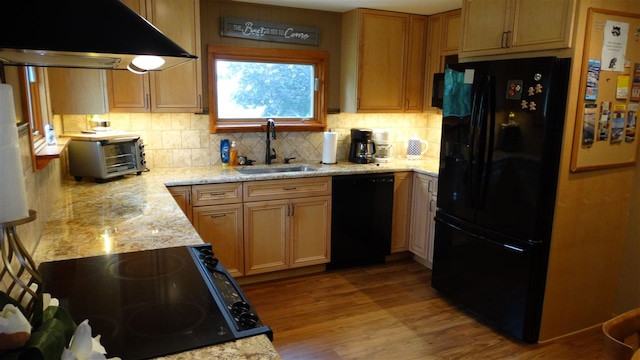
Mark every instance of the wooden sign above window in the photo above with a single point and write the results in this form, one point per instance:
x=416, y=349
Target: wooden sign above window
x=268, y=31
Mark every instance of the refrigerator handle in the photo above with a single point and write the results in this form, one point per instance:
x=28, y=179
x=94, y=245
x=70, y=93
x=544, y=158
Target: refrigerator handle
x=490, y=126
x=504, y=245
x=479, y=142
x=473, y=125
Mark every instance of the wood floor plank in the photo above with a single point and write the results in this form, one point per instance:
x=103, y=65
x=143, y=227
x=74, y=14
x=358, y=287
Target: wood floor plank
x=389, y=311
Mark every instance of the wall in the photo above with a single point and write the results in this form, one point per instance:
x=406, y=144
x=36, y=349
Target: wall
x=585, y=285
x=177, y=140
x=328, y=24
x=41, y=185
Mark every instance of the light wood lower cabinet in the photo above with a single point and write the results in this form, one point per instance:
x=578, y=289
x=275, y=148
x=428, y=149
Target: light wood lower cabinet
x=281, y=224
x=422, y=213
x=292, y=229
x=182, y=195
x=266, y=236
x=402, y=189
x=222, y=227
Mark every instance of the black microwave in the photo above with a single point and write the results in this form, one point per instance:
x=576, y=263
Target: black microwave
x=437, y=91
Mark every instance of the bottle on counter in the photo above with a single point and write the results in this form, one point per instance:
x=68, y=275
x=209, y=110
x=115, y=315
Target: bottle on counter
x=233, y=154
x=224, y=152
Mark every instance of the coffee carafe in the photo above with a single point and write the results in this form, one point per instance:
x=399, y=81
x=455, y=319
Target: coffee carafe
x=362, y=147
x=384, y=149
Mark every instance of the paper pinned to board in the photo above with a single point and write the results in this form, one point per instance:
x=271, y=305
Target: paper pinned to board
x=614, y=46
x=456, y=97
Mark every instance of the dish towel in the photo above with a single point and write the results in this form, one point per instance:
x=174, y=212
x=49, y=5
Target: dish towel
x=456, y=96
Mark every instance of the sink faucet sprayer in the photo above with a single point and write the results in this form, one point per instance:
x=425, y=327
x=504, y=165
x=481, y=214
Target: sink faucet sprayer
x=271, y=127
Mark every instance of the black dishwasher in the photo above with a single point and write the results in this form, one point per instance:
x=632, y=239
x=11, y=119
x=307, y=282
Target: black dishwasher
x=361, y=213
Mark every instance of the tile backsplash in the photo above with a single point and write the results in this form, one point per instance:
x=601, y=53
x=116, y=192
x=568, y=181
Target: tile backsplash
x=184, y=140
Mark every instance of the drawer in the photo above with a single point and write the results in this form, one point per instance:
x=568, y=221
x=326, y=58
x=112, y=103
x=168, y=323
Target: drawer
x=286, y=188
x=215, y=194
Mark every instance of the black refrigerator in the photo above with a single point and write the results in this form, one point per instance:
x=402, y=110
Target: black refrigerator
x=500, y=151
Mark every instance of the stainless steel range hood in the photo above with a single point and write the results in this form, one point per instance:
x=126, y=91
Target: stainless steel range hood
x=97, y=34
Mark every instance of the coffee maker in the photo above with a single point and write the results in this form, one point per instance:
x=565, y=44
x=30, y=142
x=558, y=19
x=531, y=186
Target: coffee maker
x=362, y=147
x=384, y=149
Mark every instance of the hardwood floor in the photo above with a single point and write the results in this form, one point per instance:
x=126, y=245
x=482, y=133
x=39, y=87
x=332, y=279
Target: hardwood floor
x=389, y=311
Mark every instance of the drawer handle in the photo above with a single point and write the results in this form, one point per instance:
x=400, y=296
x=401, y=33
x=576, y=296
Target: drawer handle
x=217, y=194
x=289, y=188
x=218, y=216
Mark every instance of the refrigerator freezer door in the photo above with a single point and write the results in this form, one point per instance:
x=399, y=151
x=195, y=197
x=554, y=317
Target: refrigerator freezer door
x=493, y=279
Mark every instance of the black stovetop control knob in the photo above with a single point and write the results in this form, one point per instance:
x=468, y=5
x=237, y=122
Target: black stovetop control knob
x=240, y=307
x=248, y=320
x=209, y=261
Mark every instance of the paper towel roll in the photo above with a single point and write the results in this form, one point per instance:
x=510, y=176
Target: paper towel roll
x=13, y=196
x=329, y=147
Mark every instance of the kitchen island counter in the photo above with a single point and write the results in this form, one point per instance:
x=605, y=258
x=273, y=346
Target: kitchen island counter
x=137, y=213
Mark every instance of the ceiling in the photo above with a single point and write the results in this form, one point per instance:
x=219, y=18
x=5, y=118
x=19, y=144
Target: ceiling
x=423, y=7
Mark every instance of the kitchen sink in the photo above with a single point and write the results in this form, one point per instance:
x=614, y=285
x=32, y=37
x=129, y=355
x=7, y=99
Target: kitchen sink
x=247, y=170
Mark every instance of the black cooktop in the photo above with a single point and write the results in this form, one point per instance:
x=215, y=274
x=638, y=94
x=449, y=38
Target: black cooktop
x=150, y=303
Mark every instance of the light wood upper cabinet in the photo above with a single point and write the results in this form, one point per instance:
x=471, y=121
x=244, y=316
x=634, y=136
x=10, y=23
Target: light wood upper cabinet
x=443, y=37
x=178, y=89
x=451, y=30
x=507, y=26
x=382, y=61
x=77, y=91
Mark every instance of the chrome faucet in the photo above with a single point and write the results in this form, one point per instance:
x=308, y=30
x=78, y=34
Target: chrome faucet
x=271, y=128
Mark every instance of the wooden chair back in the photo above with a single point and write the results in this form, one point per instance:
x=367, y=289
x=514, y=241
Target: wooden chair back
x=618, y=329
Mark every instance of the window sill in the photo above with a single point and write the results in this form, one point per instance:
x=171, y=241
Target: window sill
x=45, y=153
x=280, y=126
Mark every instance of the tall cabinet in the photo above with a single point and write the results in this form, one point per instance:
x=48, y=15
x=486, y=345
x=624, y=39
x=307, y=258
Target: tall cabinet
x=178, y=89
x=421, y=234
x=382, y=61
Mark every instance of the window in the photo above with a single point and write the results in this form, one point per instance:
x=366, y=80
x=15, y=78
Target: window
x=32, y=101
x=249, y=85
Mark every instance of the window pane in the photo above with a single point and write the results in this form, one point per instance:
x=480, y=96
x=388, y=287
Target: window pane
x=252, y=90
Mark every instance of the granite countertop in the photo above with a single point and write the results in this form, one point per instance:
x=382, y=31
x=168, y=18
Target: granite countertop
x=136, y=213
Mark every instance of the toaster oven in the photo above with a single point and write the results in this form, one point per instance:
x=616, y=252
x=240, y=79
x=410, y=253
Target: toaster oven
x=106, y=158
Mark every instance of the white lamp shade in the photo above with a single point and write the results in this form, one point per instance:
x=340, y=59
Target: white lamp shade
x=13, y=195
x=147, y=62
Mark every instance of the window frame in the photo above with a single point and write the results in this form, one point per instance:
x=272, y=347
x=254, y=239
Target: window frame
x=320, y=59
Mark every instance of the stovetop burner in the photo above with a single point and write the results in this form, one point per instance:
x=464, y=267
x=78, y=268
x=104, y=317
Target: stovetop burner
x=153, y=303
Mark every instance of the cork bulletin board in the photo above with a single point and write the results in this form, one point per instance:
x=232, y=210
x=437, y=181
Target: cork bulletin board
x=605, y=128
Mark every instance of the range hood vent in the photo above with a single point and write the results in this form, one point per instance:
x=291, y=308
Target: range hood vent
x=96, y=34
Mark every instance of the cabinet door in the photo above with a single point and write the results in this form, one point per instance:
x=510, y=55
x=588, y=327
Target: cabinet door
x=310, y=234
x=402, y=189
x=129, y=92
x=222, y=227
x=381, y=65
x=77, y=91
x=485, y=22
x=451, y=29
x=432, y=229
x=265, y=236
x=541, y=25
x=182, y=195
x=420, y=215
x=414, y=92
x=178, y=88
